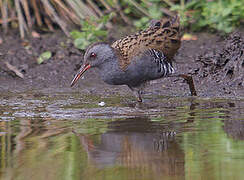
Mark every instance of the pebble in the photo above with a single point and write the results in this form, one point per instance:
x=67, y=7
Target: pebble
x=101, y=103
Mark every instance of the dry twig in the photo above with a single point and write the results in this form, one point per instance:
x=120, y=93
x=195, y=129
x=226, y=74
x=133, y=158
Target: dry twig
x=14, y=69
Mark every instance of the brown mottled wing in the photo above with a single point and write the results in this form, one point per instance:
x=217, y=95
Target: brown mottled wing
x=162, y=35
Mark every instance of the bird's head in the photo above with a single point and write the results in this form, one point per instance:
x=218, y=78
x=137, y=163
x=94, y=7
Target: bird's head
x=96, y=55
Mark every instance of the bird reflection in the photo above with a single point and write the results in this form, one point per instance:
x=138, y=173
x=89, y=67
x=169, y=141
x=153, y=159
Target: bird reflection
x=138, y=143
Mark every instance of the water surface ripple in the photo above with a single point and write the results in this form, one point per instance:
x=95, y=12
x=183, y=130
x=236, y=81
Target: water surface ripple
x=73, y=136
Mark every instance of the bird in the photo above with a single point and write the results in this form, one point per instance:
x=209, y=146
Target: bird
x=136, y=59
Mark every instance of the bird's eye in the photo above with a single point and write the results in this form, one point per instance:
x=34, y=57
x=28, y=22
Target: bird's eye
x=92, y=55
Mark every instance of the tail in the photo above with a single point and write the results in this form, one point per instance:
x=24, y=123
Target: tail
x=173, y=22
x=170, y=29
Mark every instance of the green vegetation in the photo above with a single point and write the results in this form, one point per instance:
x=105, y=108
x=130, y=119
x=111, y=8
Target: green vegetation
x=44, y=56
x=90, y=32
x=197, y=15
x=223, y=16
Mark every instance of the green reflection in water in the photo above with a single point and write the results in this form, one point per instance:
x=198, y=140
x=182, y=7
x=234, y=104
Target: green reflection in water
x=39, y=157
x=208, y=143
x=211, y=154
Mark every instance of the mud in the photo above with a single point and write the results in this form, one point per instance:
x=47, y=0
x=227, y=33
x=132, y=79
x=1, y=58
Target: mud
x=215, y=62
x=224, y=66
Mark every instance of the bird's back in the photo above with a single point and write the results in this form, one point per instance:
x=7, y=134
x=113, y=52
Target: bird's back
x=162, y=36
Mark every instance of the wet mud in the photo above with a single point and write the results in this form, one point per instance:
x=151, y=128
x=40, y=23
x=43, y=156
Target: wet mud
x=224, y=66
x=216, y=64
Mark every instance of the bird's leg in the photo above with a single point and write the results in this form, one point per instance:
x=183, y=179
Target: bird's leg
x=137, y=92
x=138, y=95
x=189, y=81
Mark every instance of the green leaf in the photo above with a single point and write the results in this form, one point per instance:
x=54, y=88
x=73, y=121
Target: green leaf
x=81, y=43
x=142, y=22
x=44, y=56
x=127, y=10
x=155, y=12
x=100, y=33
x=76, y=34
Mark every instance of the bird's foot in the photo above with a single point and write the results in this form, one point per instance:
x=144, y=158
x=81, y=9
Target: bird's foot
x=139, y=99
x=137, y=93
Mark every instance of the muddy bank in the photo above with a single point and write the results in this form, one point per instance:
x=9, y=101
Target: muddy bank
x=224, y=66
x=216, y=64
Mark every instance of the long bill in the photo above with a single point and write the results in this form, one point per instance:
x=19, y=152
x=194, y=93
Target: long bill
x=82, y=70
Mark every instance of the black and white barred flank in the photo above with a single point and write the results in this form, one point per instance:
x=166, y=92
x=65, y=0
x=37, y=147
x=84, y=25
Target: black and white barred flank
x=164, y=66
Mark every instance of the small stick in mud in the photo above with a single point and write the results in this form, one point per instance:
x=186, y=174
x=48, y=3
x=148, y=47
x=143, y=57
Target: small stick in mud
x=189, y=81
x=14, y=69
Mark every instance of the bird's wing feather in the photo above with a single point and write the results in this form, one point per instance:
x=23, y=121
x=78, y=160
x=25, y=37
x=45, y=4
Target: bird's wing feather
x=162, y=35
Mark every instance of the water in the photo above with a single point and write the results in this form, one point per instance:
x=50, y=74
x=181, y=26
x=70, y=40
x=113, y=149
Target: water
x=71, y=136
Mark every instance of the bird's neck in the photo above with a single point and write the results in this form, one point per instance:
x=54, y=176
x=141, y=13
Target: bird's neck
x=109, y=70
x=108, y=64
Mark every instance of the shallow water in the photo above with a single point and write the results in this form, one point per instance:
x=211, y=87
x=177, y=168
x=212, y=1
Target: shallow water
x=69, y=136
